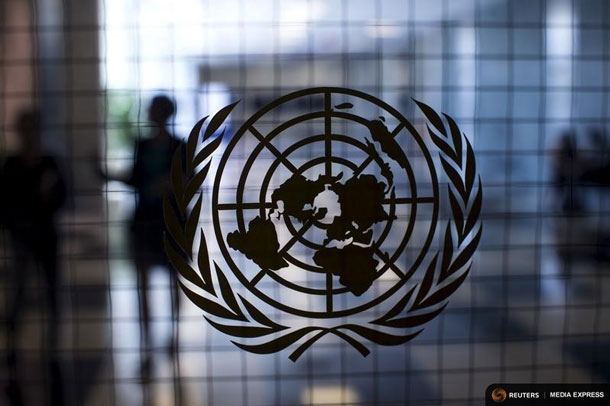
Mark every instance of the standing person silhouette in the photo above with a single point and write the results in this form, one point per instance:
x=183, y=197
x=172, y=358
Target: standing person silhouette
x=33, y=192
x=150, y=179
x=598, y=171
x=566, y=169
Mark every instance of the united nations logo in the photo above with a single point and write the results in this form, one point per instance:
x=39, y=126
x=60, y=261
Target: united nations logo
x=328, y=223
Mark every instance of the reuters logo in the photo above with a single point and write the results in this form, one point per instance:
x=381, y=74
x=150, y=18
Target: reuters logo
x=498, y=395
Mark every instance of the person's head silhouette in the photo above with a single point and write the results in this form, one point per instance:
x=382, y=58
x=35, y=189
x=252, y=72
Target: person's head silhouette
x=161, y=109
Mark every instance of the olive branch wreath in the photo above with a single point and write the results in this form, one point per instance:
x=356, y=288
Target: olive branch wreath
x=235, y=316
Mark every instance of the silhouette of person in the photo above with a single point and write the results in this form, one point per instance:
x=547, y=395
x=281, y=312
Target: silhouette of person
x=34, y=191
x=566, y=173
x=597, y=176
x=598, y=171
x=150, y=179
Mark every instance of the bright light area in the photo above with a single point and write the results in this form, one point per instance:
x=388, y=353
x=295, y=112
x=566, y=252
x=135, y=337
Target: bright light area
x=329, y=395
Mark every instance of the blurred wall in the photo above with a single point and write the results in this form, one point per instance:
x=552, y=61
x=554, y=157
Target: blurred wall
x=50, y=59
x=18, y=67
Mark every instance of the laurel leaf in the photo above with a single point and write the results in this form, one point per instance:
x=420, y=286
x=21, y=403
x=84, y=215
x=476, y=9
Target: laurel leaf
x=217, y=120
x=463, y=257
x=456, y=210
x=173, y=225
x=447, y=254
x=303, y=347
x=379, y=337
x=449, y=266
x=414, y=321
x=176, y=176
x=354, y=343
x=241, y=331
x=279, y=343
x=396, y=310
x=191, y=225
x=191, y=145
x=181, y=265
x=453, y=176
x=203, y=263
x=207, y=305
x=227, y=294
x=475, y=210
x=258, y=316
x=432, y=117
x=444, y=292
x=456, y=136
x=208, y=150
x=441, y=144
x=470, y=167
x=195, y=184
x=426, y=284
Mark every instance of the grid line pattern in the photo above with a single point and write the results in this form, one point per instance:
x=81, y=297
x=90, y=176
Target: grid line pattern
x=527, y=82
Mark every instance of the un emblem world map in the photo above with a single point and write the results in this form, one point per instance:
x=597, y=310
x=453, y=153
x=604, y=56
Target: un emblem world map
x=325, y=205
x=345, y=208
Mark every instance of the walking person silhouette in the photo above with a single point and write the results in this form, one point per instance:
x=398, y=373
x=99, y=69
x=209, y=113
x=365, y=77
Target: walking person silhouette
x=150, y=179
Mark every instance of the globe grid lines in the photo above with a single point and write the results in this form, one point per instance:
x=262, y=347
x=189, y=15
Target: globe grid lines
x=369, y=158
x=299, y=233
x=265, y=142
x=341, y=138
x=282, y=158
x=269, y=205
x=328, y=114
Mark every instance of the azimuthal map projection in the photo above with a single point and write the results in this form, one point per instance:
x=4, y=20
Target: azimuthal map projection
x=345, y=210
x=321, y=224
x=324, y=207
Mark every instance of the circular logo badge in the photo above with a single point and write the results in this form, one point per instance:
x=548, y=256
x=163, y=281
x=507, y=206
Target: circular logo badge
x=333, y=210
x=498, y=395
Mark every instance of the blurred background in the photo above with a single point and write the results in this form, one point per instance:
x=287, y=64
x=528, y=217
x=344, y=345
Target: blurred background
x=527, y=81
